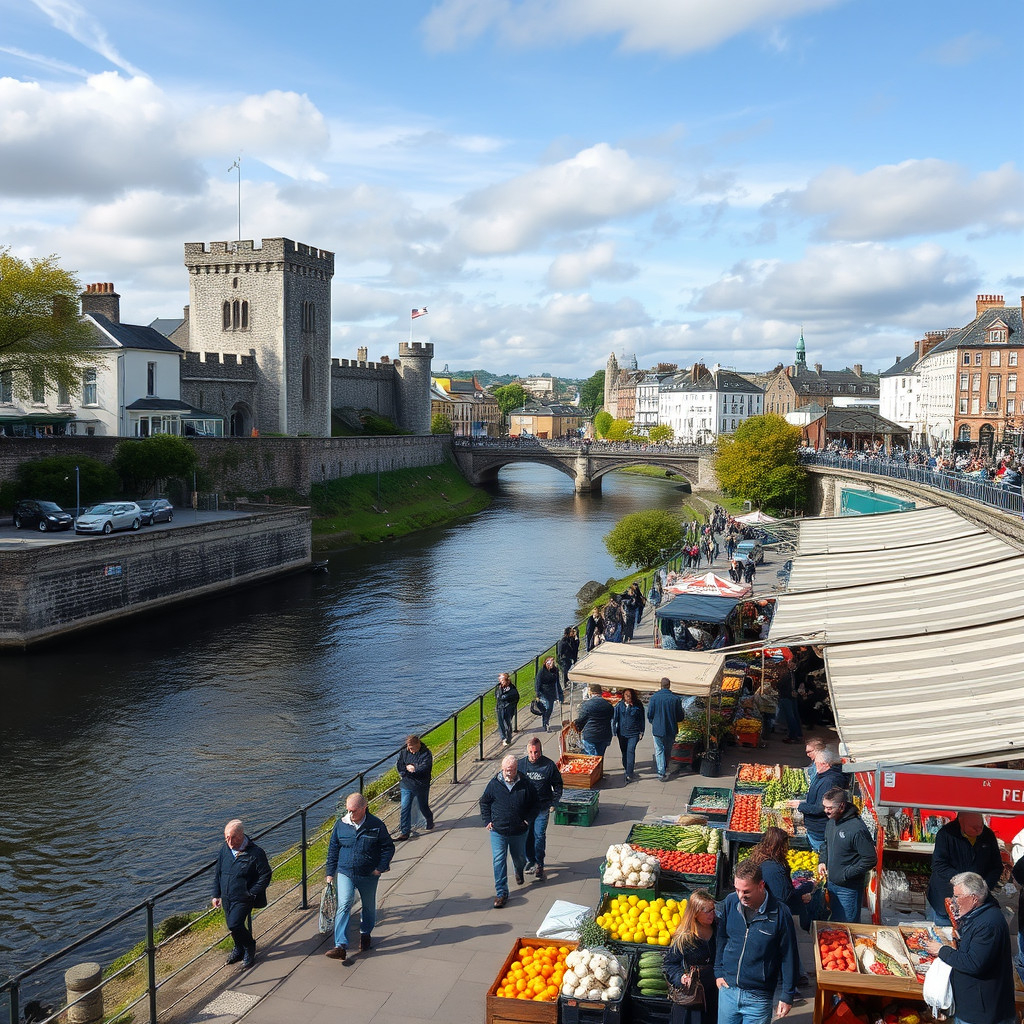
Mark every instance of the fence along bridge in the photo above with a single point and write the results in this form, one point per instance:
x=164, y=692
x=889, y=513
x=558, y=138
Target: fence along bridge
x=480, y=459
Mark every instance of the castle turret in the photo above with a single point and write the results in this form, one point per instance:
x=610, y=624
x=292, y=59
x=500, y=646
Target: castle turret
x=413, y=367
x=801, y=351
x=611, y=380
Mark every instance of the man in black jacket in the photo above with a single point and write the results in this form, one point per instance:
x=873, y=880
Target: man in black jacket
x=594, y=723
x=965, y=844
x=847, y=855
x=239, y=884
x=415, y=765
x=506, y=700
x=828, y=775
x=547, y=688
x=982, y=977
x=507, y=807
x=544, y=777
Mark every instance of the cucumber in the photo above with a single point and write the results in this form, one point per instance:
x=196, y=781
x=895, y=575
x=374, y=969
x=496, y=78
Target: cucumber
x=654, y=989
x=651, y=974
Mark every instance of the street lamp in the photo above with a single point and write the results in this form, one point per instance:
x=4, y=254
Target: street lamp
x=78, y=495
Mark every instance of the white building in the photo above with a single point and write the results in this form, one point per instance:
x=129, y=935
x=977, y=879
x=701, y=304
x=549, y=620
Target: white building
x=937, y=373
x=648, y=401
x=699, y=404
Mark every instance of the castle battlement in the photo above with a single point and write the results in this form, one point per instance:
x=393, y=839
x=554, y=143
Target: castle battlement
x=226, y=364
x=245, y=254
x=416, y=349
x=337, y=365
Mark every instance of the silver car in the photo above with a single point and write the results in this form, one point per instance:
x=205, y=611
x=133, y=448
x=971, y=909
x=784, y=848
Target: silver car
x=110, y=516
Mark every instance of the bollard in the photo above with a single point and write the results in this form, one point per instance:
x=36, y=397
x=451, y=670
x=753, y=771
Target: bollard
x=78, y=980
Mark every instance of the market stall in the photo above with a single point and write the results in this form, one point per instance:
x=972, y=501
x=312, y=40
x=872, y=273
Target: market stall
x=708, y=584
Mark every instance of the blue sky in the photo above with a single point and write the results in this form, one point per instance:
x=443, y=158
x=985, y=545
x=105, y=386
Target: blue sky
x=553, y=179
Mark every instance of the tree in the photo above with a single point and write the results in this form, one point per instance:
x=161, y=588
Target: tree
x=602, y=421
x=758, y=463
x=44, y=344
x=661, y=434
x=639, y=538
x=140, y=464
x=619, y=430
x=53, y=479
x=592, y=392
x=509, y=398
x=441, y=424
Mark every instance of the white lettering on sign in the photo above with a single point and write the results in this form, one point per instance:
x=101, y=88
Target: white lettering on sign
x=889, y=779
x=1015, y=796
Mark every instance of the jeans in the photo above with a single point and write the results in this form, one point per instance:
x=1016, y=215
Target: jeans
x=501, y=847
x=505, y=716
x=788, y=710
x=817, y=845
x=594, y=749
x=537, y=838
x=545, y=717
x=1018, y=960
x=846, y=903
x=662, y=749
x=627, y=744
x=940, y=918
x=744, y=1006
x=414, y=796
x=348, y=885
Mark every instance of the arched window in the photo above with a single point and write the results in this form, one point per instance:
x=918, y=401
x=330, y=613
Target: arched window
x=965, y=432
x=245, y=315
x=227, y=316
x=308, y=317
x=307, y=379
x=236, y=314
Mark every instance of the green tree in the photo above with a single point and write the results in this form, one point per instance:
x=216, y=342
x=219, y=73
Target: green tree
x=141, y=464
x=602, y=421
x=53, y=479
x=44, y=344
x=639, y=538
x=758, y=463
x=592, y=392
x=661, y=434
x=619, y=430
x=441, y=424
x=509, y=398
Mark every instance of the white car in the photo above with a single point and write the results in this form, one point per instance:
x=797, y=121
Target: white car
x=110, y=516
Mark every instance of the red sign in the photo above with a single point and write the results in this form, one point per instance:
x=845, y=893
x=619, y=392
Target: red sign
x=992, y=793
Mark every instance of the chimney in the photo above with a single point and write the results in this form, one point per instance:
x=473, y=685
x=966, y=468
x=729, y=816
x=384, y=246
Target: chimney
x=858, y=369
x=928, y=342
x=987, y=302
x=361, y=354
x=698, y=371
x=817, y=369
x=102, y=299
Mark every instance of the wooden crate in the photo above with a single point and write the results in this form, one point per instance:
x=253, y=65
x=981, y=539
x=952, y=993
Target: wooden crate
x=575, y=780
x=522, y=1011
x=848, y=981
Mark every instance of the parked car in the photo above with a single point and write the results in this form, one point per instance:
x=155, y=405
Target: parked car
x=43, y=515
x=114, y=515
x=155, y=510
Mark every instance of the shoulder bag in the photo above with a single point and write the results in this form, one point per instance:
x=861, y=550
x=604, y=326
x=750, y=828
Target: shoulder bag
x=690, y=990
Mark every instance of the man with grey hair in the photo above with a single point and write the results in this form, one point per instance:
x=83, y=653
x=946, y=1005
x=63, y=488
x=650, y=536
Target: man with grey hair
x=507, y=807
x=982, y=975
x=240, y=884
x=828, y=775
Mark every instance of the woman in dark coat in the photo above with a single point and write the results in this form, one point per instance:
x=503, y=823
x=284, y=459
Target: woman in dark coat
x=693, y=945
x=595, y=629
x=612, y=623
x=628, y=722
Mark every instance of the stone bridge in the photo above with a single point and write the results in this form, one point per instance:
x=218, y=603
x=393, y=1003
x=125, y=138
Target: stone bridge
x=480, y=459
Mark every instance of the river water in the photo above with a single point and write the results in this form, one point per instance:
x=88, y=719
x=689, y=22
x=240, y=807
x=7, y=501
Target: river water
x=123, y=752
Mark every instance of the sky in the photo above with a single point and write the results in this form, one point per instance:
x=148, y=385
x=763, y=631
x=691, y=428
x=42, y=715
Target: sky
x=554, y=180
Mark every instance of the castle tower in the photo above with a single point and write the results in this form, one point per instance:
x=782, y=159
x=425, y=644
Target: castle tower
x=413, y=367
x=272, y=302
x=611, y=377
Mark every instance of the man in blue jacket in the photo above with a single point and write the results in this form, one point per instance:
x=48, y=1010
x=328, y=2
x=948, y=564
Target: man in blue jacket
x=829, y=774
x=359, y=852
x=756, y=948
x=665, y=713
x=240, y=884
x=964, y=844
x=982, y=977
x=507, y=807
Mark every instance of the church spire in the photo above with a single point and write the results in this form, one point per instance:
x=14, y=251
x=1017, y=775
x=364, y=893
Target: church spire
x=801, y=351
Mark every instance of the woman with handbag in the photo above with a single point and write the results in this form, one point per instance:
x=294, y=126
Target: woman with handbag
x=690, y=963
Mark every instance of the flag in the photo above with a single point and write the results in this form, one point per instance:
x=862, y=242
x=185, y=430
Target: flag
x=419, y=312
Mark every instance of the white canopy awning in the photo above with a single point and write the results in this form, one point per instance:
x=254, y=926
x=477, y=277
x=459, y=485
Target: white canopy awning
x=883, y=531
x=693, y=674
x=923, y=699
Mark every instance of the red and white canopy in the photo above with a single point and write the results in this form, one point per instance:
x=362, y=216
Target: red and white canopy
x=756, y=518
x=709, y=584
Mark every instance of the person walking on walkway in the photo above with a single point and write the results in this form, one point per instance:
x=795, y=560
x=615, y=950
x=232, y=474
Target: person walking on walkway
x=595, y=629
x=547, y=688
x=506, y=700
x=847, y=855
x=594, y=722
x=694, y=945
x=359, y=852
x=415, y=765
x=628, y=725
x=568, y=651
x=543, y=776
x=665, y=713
x=240, y=884
x=507, y=807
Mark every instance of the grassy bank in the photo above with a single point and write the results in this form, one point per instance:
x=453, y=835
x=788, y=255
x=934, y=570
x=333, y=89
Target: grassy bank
x=373, y=507
x=655, y=471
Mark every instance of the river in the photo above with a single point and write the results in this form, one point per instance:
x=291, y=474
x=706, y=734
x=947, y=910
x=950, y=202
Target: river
x=123, y=751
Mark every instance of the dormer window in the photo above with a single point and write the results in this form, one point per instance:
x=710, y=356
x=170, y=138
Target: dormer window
x=997, y=336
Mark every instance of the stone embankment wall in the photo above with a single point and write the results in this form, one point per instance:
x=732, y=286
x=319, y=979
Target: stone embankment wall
x=251, y=464
x=53, y=589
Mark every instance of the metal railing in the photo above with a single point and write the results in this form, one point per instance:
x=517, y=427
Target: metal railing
x=985, y=492
x=527, y=443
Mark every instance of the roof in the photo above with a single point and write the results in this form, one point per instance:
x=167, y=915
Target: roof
x=975, y=332
x=902, y=366
x=698, y=608
x=713, y=380
x=856, y=419
x=132, y=335
x=171, y=405
x=167, y=326
x=548, y=409
x=885, y=531
x=692, y=673
x=807, y=380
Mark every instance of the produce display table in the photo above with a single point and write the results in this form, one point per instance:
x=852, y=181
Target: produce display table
x=501, y=1010
x=580, y=771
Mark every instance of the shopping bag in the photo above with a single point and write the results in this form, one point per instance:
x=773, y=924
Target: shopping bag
x=328, y=909
x=821, y=904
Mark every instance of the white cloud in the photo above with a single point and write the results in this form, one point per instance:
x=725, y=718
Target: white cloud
x=643, y=25
x=909, y=198
x=579, y=269
x=71, y=18
x=596, y=185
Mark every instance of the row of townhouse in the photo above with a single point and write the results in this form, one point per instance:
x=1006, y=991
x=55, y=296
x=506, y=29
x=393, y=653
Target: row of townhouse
x=472, y=410
x=961, y=384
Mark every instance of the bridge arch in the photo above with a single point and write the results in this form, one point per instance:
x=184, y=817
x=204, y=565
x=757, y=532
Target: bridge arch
x=606, y=466
x=486, y=469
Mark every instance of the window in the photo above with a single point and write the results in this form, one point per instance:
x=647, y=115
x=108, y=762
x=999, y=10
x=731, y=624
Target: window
x=307, y=379
x=63, y=396
x=89, y=387
x=975, y=406
x=997, y=335
x=235, y=316
x=965, y=433
x=993, y=390
x=150, y=379
x=245, y=315
x=967, y=359
x=1011, y=383
x=977, y=358
x=308, y=317
x=964, y=381
x=6, y=388
x=1011, y=406
x=1011, y=358
x=38, y=388
x=993, y=357
x=963, y=406
x=976, y=382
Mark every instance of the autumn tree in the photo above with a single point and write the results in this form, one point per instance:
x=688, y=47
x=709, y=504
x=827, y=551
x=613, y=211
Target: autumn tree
x=661, y=434
x=44, y=343
x=640, y=537
x=758, y=463
x=620, y=430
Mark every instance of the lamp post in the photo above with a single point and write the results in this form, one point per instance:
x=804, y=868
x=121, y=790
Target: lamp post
x=78, y=495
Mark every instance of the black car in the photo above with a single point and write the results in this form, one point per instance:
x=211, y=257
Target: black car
x=155, y=510
x=43, y=515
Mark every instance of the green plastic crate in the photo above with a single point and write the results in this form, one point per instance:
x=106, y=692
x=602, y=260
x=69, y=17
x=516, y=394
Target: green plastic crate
x=577, y=808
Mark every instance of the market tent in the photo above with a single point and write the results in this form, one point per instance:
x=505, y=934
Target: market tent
x=692, y=674
x=883, y=531
x=698, y=608
x=923, y=699
x=755, y=518
x=709, y=584
x=844, y=569
x=908, y=607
